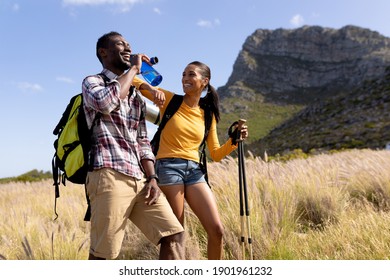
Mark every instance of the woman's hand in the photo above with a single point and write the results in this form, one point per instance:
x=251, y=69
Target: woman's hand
x=244, y=132
x=153, y=94
x=158, y=97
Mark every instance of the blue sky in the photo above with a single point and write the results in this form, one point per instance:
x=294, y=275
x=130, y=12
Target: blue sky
x=48, y=47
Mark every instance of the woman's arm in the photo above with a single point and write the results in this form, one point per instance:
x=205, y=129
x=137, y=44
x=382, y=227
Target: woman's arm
x=218, y=152
x=154, y=94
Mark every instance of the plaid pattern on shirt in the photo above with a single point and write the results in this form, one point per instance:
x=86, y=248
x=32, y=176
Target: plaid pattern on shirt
x=119, y=136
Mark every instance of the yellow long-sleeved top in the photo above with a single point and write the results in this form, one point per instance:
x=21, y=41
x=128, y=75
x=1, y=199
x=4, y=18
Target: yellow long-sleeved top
x=184, y=132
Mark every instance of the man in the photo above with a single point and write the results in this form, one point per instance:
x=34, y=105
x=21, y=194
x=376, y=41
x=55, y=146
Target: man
x=121, y=157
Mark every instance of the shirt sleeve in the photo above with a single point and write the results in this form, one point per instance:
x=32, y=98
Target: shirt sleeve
x=137, y=82
x=218, y=152
x=98, y=96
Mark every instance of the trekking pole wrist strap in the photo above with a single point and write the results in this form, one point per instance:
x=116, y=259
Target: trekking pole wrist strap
x=233, y=133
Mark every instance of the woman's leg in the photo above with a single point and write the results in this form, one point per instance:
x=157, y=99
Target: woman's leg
x=175, y=197
x=202, y=202
x=171, y=173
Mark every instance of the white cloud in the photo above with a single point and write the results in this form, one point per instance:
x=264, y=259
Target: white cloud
x=15, y=7
x=124, y=8
x=208, y=23
x=100, y=2
x=65, y=80
x=297, y=20
x=315, y=15
x=157, y=11
x=121, y=6
x=25, y=86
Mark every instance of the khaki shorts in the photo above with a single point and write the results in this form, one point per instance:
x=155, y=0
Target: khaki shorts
x=115, y=198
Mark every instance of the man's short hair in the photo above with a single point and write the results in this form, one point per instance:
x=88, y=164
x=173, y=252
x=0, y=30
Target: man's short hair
x=103, y=42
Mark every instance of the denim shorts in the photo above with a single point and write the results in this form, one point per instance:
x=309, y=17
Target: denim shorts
x=177, y=171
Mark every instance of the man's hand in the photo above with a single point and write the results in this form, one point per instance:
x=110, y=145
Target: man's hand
x=152, y=192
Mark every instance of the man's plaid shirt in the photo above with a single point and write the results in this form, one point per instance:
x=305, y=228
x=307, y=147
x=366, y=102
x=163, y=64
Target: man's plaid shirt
x=119, y=136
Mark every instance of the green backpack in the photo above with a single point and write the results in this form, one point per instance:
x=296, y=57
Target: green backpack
x=71, y=158
x=70, y=161
x=72, y=146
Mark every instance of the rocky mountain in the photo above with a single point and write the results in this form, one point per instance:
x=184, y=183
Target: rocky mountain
x=357, y=119
x=310, y=66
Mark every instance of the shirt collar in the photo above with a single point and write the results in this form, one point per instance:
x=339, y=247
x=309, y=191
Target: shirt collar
x=109, y=74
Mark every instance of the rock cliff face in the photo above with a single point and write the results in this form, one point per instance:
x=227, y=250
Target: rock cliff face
x=357, y=119
x=338, y=77
x=299, y=65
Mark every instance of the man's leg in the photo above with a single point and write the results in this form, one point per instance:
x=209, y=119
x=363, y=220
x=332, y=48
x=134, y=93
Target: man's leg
x=172, y=247
x=92, y=257
x=160, y=225
x=110, y=194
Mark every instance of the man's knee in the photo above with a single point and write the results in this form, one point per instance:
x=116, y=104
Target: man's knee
x=93, y=257
x=177, y=238
x=172, y=247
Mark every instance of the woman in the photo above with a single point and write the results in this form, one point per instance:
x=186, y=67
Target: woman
x=177, y=166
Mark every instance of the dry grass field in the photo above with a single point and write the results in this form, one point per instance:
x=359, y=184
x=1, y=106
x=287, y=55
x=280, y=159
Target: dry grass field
x=325, y=207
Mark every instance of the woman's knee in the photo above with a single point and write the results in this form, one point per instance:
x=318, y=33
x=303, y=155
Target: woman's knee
x=218, y=231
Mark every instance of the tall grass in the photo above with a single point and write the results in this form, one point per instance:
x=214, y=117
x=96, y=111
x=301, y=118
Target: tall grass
x=328, y=206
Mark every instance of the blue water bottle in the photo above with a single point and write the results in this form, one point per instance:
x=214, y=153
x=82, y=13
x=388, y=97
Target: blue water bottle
x=149, y=73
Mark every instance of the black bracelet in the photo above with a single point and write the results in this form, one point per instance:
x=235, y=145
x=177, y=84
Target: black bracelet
x=153, y=176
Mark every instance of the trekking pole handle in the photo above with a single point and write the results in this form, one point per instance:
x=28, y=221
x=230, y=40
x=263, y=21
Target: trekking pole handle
x=241, y=122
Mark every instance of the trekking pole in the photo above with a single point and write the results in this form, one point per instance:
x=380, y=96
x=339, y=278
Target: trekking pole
x=243, y=193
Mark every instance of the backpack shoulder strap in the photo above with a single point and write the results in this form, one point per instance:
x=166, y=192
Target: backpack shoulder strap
x=171, y=109
x=104, y=77
x=97, y=115
x=65, y=115
x=208, y=118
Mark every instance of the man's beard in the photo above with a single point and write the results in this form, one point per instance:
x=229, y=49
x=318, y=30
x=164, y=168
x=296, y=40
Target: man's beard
x=123, y=65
